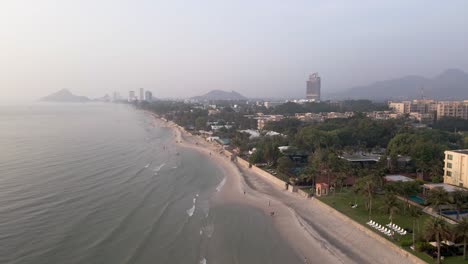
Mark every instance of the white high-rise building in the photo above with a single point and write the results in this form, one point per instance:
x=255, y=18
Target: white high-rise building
x=313, y=87
x=142, y=94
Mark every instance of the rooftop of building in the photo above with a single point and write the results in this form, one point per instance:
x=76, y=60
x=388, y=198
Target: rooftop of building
x=397, y=178
x=360, y=157
x=460, y=151
x=445, y=186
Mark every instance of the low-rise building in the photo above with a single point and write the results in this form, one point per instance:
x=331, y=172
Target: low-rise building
x=453, y=109
x=361, y=158
x=397, y=178
x=263, y=119
x=456, y=167
x=400, y=107
x=269, y=104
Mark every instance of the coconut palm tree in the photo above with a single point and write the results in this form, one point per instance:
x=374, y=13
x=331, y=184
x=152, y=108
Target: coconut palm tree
x=366, y=186
x=461, y=231
x=390, y=205
x=436, y=228
x=406, y=189
x=415, y=213
x=458, y=199
x=339, y=180
x=437, y=197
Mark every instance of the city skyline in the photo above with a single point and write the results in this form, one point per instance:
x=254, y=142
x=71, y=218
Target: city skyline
x=253, y=48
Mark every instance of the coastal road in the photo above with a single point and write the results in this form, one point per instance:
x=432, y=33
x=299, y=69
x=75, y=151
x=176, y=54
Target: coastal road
x=344, y=240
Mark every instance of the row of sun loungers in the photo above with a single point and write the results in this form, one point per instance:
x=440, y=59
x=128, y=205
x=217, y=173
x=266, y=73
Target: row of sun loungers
x=397, y=229
x=380, y=228
x=385, y=230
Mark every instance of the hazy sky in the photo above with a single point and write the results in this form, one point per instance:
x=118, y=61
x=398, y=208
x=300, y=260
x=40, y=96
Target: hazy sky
x=256, y=47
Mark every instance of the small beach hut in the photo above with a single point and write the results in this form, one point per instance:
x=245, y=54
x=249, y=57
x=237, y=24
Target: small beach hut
x=321, y=189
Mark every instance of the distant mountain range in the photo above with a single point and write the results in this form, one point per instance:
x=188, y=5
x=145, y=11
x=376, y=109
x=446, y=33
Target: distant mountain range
x=64, y=96
x=452, y=84
x=220, y=95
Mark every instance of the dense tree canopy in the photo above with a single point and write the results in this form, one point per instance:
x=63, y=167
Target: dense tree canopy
x=425, y=147
x=451, y=124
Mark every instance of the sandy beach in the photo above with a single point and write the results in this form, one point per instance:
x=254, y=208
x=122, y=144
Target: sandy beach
x=317, y=234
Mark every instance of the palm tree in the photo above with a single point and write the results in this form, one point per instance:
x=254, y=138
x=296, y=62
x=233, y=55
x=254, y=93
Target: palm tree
x=437, y=197
x=461, y=230
x=390, y=205
x=366, y=186
x=436, y=227
x=459, y=201
x=339, y=180
x=415, y=213
x=406, y=189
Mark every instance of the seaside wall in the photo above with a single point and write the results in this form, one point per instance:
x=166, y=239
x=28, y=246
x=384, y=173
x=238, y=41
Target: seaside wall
x=302, y=193
x=272, y=179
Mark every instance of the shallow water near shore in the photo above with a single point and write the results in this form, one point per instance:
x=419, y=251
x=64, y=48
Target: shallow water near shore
x=102, y=183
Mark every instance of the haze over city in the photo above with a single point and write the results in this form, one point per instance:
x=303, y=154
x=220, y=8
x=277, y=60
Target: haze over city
x=182, y=49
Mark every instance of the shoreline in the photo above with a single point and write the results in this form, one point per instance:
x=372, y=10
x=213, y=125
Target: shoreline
x=295, y=217
x=285, y=221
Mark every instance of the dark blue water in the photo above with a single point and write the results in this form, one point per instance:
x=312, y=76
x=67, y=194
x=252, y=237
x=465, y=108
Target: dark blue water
x=101, y=183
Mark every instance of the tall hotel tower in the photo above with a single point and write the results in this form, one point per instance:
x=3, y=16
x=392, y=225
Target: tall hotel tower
x=313, y=87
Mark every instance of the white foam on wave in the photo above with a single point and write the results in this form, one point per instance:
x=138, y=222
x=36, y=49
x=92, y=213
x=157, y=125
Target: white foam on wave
x=201, y=232
x=191, y=211
x=204, y=206
x=157, y=169
x=194, y=200
x=203, y=261
x=147, y=165
x=208, y=230
x=221, y=184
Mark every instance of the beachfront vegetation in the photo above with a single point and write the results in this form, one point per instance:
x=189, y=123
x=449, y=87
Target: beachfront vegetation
x=438, y=197
x=461, y=231
x=387, y=207
x=436, y=228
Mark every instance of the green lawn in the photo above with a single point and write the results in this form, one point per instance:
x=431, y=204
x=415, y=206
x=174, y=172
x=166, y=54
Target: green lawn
x=342, y=201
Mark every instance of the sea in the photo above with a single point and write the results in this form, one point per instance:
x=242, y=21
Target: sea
x=103, y=183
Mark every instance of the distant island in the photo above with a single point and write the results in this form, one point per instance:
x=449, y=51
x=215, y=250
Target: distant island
x=65, y=96
x=220, y=95
x=451, y=84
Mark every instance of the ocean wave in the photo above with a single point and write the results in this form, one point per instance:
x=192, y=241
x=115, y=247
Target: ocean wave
x=208, y=230
x=221, y=184
x=204, y=206
x=191, y=211
x=203, y=261
x=157, y=169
